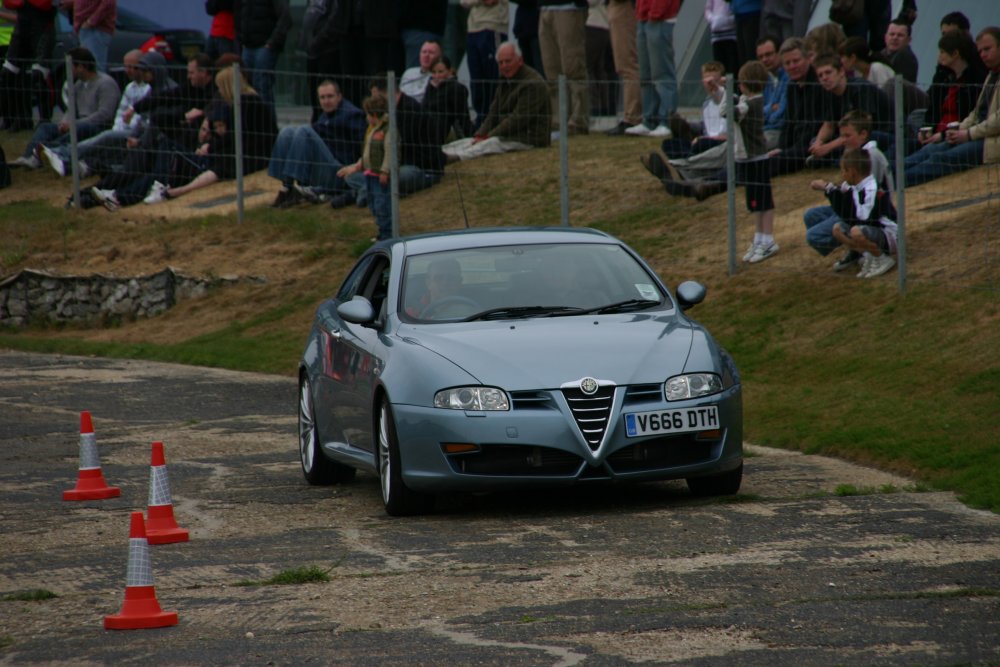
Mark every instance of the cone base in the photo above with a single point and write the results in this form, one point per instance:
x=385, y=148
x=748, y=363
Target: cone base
x=122, y=621
x=140, y=610
x=92, y=494
x=167, y=536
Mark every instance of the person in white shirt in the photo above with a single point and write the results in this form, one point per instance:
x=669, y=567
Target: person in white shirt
x=414, y=81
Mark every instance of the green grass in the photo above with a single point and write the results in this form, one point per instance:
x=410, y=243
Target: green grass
x=34, y=595
x=296, y=576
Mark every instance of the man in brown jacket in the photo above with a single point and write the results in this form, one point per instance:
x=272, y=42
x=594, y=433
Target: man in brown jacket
x=520, y=114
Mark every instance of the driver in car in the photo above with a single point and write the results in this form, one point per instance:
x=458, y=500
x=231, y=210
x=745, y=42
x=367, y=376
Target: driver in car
x=444, y=280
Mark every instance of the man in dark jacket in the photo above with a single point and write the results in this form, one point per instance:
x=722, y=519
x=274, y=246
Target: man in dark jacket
x=803, y=115
x=261, y=29
x=306, y=158
x=421, y=162
x=840, y=95
x=178, y=112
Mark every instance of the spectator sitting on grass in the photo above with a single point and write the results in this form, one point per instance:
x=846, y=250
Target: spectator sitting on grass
x=840, y=95
x=855, y=129
x=867, y=218
x=689, y=140
x=306, y=158
x=519, y=115
x=97, y=97
x=976, y=140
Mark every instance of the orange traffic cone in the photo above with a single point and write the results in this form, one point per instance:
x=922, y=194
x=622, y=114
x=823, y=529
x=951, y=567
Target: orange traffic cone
x=161, y=527
x=140, y=609
x=90, y=484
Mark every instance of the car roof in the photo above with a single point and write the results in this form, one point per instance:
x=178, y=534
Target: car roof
x=486, y=237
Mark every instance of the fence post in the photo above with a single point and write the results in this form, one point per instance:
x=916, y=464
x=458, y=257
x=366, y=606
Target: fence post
x=71, y=116
x=731, y=173
x=393, y=153
x=238, y=137
x=563, y=152
x=900, y=183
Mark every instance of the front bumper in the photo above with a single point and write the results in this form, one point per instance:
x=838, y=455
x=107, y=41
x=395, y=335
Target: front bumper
x=540, y=445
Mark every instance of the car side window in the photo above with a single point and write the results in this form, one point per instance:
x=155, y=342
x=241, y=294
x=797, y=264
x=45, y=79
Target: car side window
x=353, y=284
x=378, y=286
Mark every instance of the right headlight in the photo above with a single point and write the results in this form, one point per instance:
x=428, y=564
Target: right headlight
x=691, y=385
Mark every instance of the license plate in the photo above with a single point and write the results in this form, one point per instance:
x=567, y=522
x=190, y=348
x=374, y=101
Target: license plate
x=684, y=420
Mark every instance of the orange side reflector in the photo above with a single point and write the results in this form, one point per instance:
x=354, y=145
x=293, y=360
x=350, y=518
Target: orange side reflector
x=709, y=435
x=459, y=448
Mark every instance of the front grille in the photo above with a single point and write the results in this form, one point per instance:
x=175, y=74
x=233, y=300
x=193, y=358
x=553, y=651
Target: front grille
x=665, y=452
x=516, y=461
x=591, y=412
x=527, y=400
x=643, y=393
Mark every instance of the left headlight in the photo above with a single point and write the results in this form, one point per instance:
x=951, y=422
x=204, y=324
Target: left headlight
x=472, y=398
x=692, y=385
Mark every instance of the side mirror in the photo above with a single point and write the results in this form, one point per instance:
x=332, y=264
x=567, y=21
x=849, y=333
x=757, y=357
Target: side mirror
x=357, y=311
x=690, y=293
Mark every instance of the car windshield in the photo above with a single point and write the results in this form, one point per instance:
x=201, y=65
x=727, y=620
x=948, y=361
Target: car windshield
x=519, y=281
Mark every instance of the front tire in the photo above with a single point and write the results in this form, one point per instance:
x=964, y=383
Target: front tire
x=397, y=498
x=725, y=484
x=316, y=468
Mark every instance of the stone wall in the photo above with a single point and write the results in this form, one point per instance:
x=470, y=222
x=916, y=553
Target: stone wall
x=35, y=296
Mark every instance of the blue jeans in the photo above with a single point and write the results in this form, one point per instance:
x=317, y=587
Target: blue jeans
x=820, y=222
x=48, y=134
x=654, y=42
x=106, y=148
x=940, y=159
x=380, y=204
x=300, y=154
x=261, y=61
x=413, y=179
x=97, y=42
x=480, y=51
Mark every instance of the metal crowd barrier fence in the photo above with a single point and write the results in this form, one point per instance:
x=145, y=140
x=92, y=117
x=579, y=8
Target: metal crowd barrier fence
x=566, y=164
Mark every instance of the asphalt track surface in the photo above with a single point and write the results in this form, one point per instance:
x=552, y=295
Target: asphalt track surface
x=787, y=573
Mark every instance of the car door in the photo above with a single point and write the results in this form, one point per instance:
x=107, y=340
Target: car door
x=353, y=359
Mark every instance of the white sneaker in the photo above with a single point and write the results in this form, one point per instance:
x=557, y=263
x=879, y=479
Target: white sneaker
x=662, y=132
x=55, y=161
x=865, y=261
x=638, y=130
x=157, y=193
x=308, y=193
x=30, y=162
x=879, y=265
x=106, y=197
x=751, y=249
x=762, y=252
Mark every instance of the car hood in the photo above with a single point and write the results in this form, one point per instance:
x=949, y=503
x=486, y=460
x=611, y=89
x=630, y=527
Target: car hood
x=546, y=352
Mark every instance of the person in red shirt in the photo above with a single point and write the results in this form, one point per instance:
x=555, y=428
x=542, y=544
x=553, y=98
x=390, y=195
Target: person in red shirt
x=222, y=34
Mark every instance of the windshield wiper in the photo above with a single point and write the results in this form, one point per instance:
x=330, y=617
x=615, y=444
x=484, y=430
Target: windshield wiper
x=523, y=311
x=626, y=306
